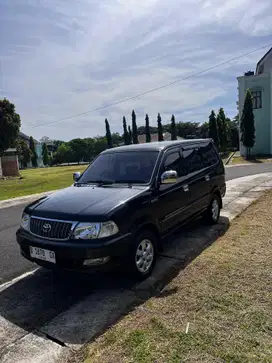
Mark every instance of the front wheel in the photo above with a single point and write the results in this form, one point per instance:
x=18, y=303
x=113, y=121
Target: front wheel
x=213, y=212
x=141, y=258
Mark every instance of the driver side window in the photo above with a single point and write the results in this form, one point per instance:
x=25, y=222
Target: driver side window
x=172, y=162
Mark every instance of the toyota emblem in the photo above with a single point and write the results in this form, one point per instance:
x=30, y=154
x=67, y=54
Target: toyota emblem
x=46, y=227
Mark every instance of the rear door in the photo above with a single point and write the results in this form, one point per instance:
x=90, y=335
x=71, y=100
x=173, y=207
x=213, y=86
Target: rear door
x=197, y=179
x=212, y=164
x=173, y=199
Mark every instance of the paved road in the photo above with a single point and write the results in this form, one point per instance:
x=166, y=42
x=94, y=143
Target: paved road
x=233, y=172
x=12, y=264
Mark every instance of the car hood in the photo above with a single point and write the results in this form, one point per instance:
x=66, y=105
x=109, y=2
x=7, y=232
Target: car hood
x=77, y=203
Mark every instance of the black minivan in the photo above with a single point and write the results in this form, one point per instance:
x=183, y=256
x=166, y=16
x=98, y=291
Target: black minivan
x=123, y=205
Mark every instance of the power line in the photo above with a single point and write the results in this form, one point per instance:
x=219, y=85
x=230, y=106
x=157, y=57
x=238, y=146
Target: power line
x=153, y=89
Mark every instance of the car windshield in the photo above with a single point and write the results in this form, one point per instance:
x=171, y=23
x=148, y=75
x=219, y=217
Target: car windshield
x=121, y=167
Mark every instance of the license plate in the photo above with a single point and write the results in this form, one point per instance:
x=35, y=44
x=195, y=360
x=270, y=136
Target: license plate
x=41, y=254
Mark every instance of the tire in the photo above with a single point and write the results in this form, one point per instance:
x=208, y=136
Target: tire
x=141, y=257
x=213, y=212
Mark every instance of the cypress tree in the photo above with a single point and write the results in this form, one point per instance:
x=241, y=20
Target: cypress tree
x=247, y=124
x=126, y=135
x=129, y=135
x=223, y=129
x=147, y=129
x=213, y=130
x=173, y=128
x=134, y=128
x=45, y=154
x=34, y=156
x=160, y=130
x=108, y=134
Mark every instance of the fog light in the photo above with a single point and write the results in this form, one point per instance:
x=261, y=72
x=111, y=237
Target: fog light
x=96, y=261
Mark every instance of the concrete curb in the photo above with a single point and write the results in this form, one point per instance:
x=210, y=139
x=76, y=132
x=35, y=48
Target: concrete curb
x=229, y=158
x=72, y=329
x=25, y=199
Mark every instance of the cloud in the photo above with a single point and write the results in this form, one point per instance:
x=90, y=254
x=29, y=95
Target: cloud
x=60, y=58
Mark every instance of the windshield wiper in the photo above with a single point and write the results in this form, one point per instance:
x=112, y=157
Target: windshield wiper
x=98, y=182
x=124, y=181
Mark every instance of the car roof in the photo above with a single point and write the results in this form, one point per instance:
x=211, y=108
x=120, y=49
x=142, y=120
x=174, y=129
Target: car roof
x=157, y=145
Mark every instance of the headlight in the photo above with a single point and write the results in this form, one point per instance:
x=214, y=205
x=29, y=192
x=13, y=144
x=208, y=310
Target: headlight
x=95, y=230
x=25, y=221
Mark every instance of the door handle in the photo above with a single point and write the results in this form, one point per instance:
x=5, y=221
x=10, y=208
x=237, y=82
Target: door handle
x=186, y=188
x=207, y=177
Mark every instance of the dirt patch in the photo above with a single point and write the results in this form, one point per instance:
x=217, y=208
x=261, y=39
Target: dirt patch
x=218, y=309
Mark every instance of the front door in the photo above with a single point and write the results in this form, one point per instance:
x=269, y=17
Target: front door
x=173, y=199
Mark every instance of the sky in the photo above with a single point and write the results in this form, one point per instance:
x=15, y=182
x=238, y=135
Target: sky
x=60, y=58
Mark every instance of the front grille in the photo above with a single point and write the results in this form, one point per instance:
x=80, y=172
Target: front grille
x=50, y=229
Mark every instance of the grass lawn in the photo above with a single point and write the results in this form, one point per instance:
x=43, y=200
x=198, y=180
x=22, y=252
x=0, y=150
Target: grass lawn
x=258, y=160
x=218, y=309
x=38, y=181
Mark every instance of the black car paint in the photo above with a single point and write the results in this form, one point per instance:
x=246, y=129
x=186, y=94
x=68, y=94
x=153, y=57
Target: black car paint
x=161, y=207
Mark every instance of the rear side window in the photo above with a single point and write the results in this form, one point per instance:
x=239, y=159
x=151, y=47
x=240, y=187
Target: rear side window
x=191, y=161
x=209, y=154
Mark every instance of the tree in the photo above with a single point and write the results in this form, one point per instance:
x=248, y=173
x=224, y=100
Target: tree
x=78, y=150
x=247, y=126
x=187, y=129
x=142, y=130
x=173, y=128
x=134, y=128
x=203, y=131
x=125, y=135
x=223, y=130
x=64, y=154
x=56, y=144
x=236, y=120
x=34, y=156
x=116, y=139
x=108, y=134
x=129, y=135
x=45, y=154
x=45, y=139
x=147, y=129
x=213, y=130
x=233, y=126
x=160, y=130
x=100, y=144
x=10, y=123
x=24, y=152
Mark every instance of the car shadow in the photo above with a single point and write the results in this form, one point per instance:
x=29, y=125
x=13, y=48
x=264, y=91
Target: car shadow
x=31, y=303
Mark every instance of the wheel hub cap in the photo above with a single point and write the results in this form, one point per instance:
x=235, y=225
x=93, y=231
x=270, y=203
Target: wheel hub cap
x=215, y=209
x=144, y=256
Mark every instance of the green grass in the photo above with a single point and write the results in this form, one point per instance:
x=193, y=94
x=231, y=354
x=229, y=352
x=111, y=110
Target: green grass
x=223, y=297
x=38, y=180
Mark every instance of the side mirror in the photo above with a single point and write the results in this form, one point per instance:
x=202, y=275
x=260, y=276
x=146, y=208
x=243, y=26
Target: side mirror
x=76, y=176
x=169, y=177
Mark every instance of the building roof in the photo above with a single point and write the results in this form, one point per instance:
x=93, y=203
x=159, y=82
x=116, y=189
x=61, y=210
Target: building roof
x=155, y=146
x=262, y=59
x=27, y=138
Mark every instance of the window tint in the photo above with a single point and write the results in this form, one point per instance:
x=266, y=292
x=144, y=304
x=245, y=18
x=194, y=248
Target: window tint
x=191, y=161
x=172, y=162
x=209, y=154
x=131, y=166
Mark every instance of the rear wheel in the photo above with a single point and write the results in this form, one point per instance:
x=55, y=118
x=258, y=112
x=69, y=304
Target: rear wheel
x=213, y=211
x=141, y=258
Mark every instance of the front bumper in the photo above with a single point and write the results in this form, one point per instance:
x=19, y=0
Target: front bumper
x=71, y=254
